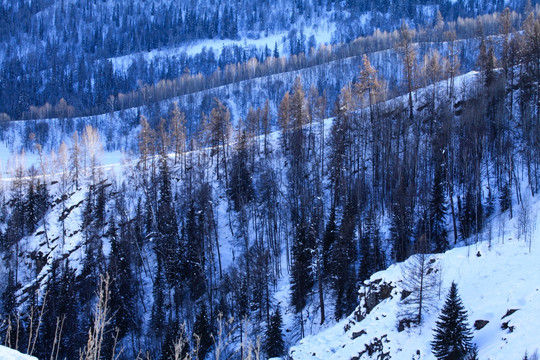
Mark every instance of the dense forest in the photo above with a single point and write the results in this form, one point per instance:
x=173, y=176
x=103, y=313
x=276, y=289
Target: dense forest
x=182, y=249
x=71, y=49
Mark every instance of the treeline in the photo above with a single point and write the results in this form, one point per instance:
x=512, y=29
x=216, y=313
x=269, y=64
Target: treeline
x=433, y=166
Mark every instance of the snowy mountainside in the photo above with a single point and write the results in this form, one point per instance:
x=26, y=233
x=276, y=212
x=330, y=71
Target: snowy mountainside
x=120, y=128
x=86, y=51
x=497, y=280
x=61, y=234
x=80, y=224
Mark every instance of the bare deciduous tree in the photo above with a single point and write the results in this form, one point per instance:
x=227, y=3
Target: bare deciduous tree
x=93, y=147
x=177, y=129
x=420, y=284
x=407, y=51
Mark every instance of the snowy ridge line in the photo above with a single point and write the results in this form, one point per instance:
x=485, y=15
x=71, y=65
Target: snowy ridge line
x=324, y=63
x=459, y=80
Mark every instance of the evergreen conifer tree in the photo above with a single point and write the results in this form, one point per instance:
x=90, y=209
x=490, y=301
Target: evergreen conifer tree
x=471, y=215
x=274, y=346
x=193, y=268
x=401, y=221
x=372, y=257
x=240, y=183
x=158, y=307
x=437, y=213
x=168, y=244
x=31, y=217
x=202, y=331
x=42, y=199
x=329, y=238
x=122, y=297
x=57, y=308
x=366, y=267
x=9, y=299
x=452, y=336
x=74, y=336
x=88, y=208
x=342, y=256
x=301, y=272
x=101, y=203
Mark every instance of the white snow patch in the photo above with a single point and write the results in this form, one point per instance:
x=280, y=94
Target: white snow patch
x=10, y=354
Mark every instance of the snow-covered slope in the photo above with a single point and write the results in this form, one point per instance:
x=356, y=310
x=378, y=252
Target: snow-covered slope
x=492, y=282
x=9, y=354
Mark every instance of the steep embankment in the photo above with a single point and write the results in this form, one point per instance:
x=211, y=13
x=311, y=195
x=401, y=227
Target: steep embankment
x=499, y=286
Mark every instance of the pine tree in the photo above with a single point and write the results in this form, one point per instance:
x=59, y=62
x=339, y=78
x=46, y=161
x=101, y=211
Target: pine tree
x=471, y=215
x=274, y=345
x=486, y=61
x=74, y=336
x=400, y=230
x=93, y=263
x=167, y=246
x=452, y=336
x=101, y=201
x=329, y=238
x=372, y=257
x=75, y=159
x=122, y=297
x=42, y=199
x=342, y=256
x=301, y=272
x=58, y=307
x=88, y=208
x=240, y=184
x=193, y=268
x=505, y=197
x=158, y=307
x=242, y=297
x=202, y=332
x=533, y=356
x=437, y=213
x=51, y=313
x=31, y=216
x=9, y=298
x=366, y=266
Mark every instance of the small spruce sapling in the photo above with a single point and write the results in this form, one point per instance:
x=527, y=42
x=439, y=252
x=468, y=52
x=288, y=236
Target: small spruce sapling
x=452, y=335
